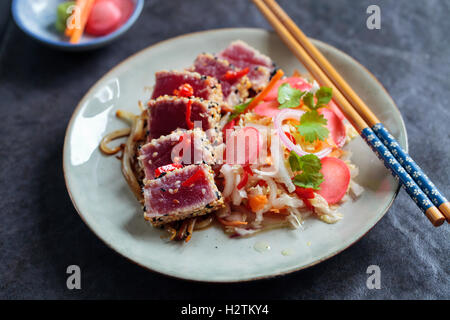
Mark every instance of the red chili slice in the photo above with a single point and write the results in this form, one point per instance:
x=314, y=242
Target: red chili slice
x=189, y=123
x=233, y=75
x=290, y=137
x=228, y=126
x=247, y=172
x=308, y=204
x=304, y=193
x=167, y=168
x=243, y=181
x=248, y=169
x=192, y=179
x=262, y=183
x=185, y=90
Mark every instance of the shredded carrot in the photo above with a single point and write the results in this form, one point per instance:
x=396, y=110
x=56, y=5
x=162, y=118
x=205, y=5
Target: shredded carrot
x=85, y=10
x=257, y=202
x=266, y=90
x=279, y=212
x=235, y=223
x=296, y=73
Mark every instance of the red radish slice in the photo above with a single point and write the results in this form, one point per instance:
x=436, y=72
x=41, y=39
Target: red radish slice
x=267, y=109
x=336, y=110
x=126, y=7
x=105, y=17
x=336, y=179
x=297, y=83
x=335, y=126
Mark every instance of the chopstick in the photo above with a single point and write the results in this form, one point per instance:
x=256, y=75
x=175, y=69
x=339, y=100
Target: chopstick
x=380, y=130
x=372, y=139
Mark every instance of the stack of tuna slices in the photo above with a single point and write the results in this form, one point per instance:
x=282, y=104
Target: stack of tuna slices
x=168, y=197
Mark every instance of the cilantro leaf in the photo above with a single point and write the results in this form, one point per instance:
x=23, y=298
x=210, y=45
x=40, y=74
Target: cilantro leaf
x=237, y=110
x=289, y=97
x=309, y=165
x=308, y=100
x=308, y=180
x=295, y=161
x=323, y=96
x=312, y=126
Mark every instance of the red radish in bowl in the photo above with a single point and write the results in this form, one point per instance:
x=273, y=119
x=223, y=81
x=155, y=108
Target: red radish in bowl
x=125, y=6
x=336, y=177
x=108, y=15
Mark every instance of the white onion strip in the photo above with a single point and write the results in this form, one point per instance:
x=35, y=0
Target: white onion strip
x=294, y=114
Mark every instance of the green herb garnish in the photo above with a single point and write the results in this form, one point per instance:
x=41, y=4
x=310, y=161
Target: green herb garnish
x=289, y=97
x=309, y=165
x=237, y=110
x=313, y=126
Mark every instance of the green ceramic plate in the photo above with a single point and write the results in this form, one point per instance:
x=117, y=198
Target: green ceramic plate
x=103, y=201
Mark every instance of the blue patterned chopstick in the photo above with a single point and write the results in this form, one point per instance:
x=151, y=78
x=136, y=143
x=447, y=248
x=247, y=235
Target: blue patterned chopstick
x=400, y=174
x=412, y=168
x=358, y=113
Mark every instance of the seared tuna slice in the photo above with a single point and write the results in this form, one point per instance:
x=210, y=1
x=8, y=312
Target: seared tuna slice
x=242, y=56
x=184, y=147
x=181, y=194
x=204, y=87
x=234, y=91
x=167, y=114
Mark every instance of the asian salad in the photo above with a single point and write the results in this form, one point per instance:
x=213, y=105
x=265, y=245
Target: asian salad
x=232, y=139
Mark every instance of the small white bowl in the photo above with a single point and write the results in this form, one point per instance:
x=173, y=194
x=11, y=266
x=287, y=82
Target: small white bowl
x=37, y=18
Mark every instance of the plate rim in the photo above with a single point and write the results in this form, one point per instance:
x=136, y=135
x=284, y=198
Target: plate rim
x=255, y=278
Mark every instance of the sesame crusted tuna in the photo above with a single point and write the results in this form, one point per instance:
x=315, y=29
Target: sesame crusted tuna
x=234, y=90
x=184, y=147
x=169, y=199
x=241, y=55
x=208, y=88
x=168, y=113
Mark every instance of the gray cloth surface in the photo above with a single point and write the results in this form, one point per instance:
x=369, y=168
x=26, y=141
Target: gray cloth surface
x=41, y=233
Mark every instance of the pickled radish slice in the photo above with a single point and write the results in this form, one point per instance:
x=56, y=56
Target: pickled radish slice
x=105, y=17
x=336, y=110
x=336, y=177
x=267, y=109
x=335, y=126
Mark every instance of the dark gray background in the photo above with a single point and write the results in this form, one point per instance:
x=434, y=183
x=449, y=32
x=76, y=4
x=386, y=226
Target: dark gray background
x=41, y=234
